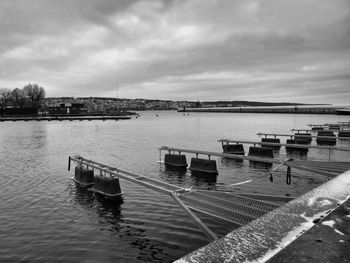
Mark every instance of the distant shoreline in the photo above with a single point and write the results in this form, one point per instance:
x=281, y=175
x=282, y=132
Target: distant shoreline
x=277, y=109
x=65, y=118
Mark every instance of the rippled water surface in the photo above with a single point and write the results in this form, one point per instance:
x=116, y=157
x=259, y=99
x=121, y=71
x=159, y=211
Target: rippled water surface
x=45, y=217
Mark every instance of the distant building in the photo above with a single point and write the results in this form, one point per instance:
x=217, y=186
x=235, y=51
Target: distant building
x=68, y=109
x=17, y=111
x=25, y=110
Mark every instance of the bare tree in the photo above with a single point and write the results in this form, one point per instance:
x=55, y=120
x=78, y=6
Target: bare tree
x=18, y=97
x=5, y=97
x=35, y=93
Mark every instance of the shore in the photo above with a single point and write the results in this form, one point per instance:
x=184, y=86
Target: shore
x=282, y=109
x=64, y=118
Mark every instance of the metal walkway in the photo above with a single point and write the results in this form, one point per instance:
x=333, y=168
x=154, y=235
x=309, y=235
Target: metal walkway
x=328, y=168
x=301, y=146
x=302, y=136
x=225, y=206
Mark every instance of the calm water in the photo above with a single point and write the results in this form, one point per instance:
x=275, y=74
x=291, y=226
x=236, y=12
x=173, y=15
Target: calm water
x=45, y=217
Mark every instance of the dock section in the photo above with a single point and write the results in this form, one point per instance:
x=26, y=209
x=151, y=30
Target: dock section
x=230, y=207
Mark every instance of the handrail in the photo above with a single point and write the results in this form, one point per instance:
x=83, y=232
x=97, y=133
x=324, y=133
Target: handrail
x=302, y=136
x=226, y=155
x=290, y=163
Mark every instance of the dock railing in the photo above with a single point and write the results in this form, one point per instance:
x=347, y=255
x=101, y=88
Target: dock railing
x=328, y=168
x=300, y=146
x=301, y=136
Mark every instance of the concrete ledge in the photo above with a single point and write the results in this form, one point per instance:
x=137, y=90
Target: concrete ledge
x=328, y=241
x=265, y=237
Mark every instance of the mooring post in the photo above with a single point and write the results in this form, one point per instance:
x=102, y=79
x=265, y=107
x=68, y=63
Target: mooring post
x=69, y=163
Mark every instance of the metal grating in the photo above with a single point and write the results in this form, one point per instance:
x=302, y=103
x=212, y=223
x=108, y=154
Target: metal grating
x=233, y=198
x=229, y=207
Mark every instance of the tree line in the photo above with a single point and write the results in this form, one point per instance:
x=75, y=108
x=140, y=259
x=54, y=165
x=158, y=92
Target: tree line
x=18, y=98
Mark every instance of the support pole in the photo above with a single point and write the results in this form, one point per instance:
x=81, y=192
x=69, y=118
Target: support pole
x=69, y=163
x=206, y=230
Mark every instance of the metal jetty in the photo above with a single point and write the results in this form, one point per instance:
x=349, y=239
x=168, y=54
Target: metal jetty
x=308, y=130
x=328, y=168
x=227, y=206
x=302, y=130
x=340, y=124
x=300, y=146
x=301, y=136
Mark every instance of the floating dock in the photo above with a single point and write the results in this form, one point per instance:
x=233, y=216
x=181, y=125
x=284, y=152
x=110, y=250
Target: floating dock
x=288, y=145
x=227, y=206
x=328, y=168
x=301, y=136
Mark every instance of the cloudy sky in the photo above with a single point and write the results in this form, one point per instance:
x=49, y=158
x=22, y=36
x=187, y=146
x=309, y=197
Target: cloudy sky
x=268, y=50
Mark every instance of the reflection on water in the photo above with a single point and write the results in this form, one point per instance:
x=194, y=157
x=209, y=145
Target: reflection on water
x=172, y=176
x=46, y=218
x=111, y=220
x=199, y=179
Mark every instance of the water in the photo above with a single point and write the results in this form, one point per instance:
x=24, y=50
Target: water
x=45, y=217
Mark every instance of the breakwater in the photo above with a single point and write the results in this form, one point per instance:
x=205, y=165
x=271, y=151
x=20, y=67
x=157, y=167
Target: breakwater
x=270, y=109
x=65, y=118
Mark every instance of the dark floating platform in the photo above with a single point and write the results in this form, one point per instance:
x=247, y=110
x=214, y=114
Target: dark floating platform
x=176, y=162
x=84, y=177
x=109, y=188
x=203, y=167
x=236, y=148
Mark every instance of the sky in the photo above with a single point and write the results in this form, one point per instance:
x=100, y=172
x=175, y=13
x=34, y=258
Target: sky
x=206, y=50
